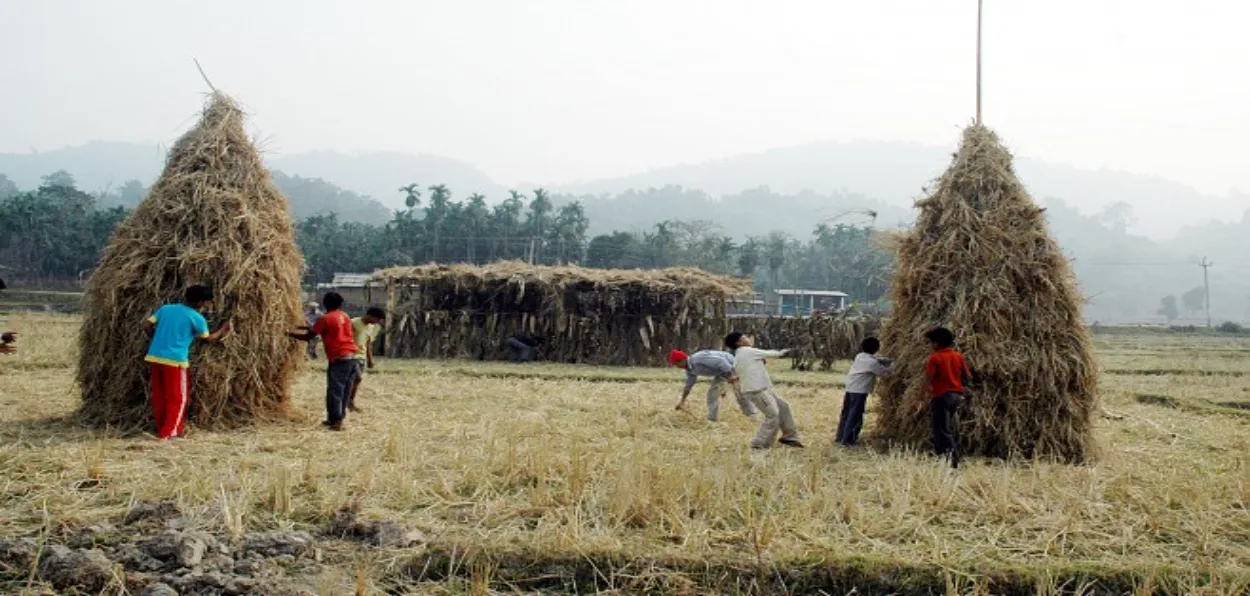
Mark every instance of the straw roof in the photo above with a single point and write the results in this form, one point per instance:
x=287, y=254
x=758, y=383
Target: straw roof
x=676, y=280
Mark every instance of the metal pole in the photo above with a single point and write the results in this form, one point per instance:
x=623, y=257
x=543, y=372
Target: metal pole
x=979, y=3
x=1206, y=287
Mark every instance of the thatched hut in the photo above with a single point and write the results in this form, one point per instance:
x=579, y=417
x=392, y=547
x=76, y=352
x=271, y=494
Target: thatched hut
x=981, y=262
x=580, y=315
x=214, y=217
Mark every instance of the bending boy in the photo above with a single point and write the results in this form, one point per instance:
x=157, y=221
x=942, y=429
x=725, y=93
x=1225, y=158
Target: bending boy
x=717, y=365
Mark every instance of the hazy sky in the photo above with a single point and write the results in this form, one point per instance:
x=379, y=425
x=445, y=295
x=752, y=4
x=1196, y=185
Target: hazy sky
x=554, y=91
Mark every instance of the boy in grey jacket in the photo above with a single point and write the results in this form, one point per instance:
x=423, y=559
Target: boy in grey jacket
x=717, y=365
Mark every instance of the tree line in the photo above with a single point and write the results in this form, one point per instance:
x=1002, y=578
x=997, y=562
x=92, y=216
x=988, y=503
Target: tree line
x=56, y=232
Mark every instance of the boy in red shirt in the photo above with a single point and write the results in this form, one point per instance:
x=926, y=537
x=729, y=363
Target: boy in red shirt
x=947, y=371
x=335, y=329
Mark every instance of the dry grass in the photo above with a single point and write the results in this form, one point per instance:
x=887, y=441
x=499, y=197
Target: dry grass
x=518, y=473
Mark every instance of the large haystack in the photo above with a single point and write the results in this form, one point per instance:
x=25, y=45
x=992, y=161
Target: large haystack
x=981, y=262
x=582, y=315
x=214, y=217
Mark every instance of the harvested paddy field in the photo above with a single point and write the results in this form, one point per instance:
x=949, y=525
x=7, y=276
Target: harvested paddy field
x=467, y=477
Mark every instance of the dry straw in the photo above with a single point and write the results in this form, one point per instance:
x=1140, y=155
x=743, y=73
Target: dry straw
x=981, y=262
x=818, y=341
x=582, y=315
x=214, y=217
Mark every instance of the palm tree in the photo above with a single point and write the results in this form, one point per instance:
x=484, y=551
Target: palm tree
x=412, y=196
x=475, y=216
x=540, y=213
x=436, y=213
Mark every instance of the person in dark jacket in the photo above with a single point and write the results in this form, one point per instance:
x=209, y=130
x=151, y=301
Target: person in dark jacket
x=522, y=347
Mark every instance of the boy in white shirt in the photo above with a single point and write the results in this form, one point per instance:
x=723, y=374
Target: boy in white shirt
x=757, y=388
x=860, y=382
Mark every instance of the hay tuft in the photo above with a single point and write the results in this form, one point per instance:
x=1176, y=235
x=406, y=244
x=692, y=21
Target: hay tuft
x=214, y=217
x=981, y=262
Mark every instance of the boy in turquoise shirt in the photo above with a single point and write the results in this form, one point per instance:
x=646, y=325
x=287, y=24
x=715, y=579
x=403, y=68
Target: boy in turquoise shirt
x=173, y=328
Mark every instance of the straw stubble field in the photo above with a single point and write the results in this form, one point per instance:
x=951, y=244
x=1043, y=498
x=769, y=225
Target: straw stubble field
x=547, y=477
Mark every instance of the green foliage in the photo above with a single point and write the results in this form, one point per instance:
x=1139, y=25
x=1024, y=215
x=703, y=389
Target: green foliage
x=1195, y=299
x=1168, y=308
x=58, y=231
x=1230, y=327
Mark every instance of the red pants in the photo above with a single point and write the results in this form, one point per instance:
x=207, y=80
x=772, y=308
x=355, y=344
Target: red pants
x=170, y=391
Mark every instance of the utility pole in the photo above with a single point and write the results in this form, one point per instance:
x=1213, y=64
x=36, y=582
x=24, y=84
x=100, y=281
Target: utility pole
x=1206, y=287
x=979, y=3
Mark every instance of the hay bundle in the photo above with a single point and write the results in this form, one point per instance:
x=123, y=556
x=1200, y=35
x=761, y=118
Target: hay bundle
x=981, y=262
x=214, y=217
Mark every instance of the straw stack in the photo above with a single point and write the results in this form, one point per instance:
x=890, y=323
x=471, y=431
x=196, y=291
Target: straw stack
x=981, y=262
x=214, y=217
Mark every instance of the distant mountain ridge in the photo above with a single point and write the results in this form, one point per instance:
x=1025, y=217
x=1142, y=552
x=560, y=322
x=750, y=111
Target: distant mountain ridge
x=897, y=173
x=98, y=165
x=882, y=173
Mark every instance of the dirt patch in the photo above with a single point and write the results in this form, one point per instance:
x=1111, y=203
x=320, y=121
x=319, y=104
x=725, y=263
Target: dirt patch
x=152, y=553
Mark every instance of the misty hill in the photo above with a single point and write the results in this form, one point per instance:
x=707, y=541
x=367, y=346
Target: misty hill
x=101, y=165
x=753, y=212
x=380, y=174
x=895, y=173
x=119, y=174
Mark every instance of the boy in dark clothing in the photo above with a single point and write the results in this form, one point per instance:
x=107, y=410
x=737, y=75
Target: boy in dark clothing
x=947, y=371
x=522, y=347
x=335, y=330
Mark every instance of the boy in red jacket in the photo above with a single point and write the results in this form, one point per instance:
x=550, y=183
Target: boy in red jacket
x=947, y=371
x=335, y=330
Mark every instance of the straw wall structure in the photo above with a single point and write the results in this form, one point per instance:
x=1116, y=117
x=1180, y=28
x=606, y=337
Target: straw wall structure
x=818, y=341
x=624, y=317
x=981, y=262
x=214, y=217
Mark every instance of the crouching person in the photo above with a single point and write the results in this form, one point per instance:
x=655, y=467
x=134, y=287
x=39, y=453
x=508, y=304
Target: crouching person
x=757, y=387
x=521, y=347
x=717, y=365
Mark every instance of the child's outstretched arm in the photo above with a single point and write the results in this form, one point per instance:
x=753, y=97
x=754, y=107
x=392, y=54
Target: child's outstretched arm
x=305, y=333
x=771, y=353
x=879, y=369
x=221, y=332
x=685, y=390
